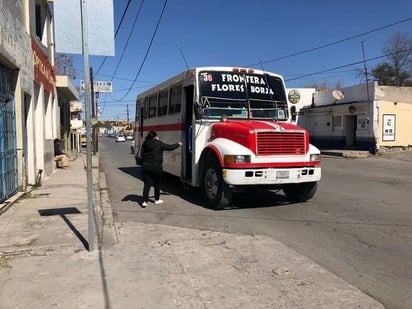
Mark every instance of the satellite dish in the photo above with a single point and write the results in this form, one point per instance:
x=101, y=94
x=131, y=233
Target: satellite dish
x=338, y=95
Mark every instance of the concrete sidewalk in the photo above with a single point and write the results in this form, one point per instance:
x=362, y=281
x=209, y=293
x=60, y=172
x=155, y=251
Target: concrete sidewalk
x=346, y=153
x=44, y=262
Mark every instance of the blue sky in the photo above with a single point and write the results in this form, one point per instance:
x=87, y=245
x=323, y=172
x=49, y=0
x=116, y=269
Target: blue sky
x=271, y=34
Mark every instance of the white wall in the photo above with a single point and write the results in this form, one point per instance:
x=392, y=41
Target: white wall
x=305, y=100
x=358, y=93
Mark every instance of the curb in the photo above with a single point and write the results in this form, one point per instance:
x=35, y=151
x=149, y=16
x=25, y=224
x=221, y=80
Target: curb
x=107, y=234
x=352, y=154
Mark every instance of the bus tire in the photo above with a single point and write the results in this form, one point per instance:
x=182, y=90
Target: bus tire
x=216, y=191
x=300, y=192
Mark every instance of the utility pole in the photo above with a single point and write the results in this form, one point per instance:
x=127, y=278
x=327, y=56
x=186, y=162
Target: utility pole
x=366, y=71
x=96, y=126
x=72, y=27
x=370, y=104
x=87, y=97
x=127, y=113
x=93, y=111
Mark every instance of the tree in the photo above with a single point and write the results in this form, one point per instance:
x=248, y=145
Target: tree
x=325, y=86
x=64, y=66
x=397, y=70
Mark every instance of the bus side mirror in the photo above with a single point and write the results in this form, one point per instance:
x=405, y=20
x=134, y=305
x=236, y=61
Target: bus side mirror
x=293, y=113
x=198, y=111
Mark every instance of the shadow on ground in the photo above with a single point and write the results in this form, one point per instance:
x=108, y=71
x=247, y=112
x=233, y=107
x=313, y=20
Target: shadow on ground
x=252, y=198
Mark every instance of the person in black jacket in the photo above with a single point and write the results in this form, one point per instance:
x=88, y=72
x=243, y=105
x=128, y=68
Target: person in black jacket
x=152, y=169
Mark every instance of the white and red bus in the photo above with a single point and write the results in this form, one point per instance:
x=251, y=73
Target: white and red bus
x=234, y=126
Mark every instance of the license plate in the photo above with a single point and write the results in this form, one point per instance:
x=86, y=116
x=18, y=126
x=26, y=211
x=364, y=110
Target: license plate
x=282, y=174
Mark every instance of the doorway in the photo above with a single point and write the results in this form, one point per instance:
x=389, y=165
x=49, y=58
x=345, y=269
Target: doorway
x=187, y=155
x=350, y=131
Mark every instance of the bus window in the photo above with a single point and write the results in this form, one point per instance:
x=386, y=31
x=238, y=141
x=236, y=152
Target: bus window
x=152, y=105
x=236, y=95
x=175, y=99
x=139, y=105
x=162, y=108
x=146, y=108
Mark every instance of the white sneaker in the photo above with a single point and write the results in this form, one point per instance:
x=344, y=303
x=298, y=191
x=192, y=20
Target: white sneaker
x=144, y=204
x=158, y=202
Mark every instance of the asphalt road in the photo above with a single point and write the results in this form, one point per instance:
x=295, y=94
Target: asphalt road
x=357, y=226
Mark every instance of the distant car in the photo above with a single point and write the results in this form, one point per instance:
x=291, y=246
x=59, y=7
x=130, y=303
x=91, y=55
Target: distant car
x=83, y=140
x=120, y=138
x=129, y=137
x=132, y=146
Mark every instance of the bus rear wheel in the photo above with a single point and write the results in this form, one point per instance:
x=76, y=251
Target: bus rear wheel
x=216, y=192
x=300, y=192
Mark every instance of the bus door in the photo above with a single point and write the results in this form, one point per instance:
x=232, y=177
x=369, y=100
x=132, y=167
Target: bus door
x=187, y=136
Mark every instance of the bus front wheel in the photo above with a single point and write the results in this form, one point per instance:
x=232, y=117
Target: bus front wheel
x=300, y=192
x=215, y=190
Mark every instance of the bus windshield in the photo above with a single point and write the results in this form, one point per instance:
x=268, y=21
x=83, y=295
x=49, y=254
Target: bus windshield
x=242, y=95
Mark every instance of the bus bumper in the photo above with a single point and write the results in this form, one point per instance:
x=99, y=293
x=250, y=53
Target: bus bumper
x=271, y=176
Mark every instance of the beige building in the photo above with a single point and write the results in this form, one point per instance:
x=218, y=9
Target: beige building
x=35, y=108
x=69, y=117
x=362, y=117
x=16, y=89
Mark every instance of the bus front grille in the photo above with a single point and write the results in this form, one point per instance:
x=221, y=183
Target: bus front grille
x=280, y=143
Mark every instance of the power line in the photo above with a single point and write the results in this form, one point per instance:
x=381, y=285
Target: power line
x=270, y=60
x=147, y=52
x=127, y=43
x=332, y=69
x=128, y=39
x=333, y=43
x=346, y=65
x=115, y=35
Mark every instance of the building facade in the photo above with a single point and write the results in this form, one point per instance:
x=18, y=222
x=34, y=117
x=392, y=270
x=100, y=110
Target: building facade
x=362, y=117
x=30, y=113
x=69, y=112
x=16, y=87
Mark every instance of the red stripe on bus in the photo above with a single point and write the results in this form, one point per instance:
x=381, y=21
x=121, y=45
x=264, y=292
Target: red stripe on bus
x=272, y=165
x=269, y=164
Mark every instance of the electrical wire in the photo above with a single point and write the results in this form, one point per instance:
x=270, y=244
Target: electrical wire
x=115, y=35
x=128, y=39
x=333, y=43
x=260, y=62
x=147, y=52
x=125, y=47
x=346, y=65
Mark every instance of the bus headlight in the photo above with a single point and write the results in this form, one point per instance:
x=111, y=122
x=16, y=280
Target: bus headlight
x=233, y=159
x=315, y=157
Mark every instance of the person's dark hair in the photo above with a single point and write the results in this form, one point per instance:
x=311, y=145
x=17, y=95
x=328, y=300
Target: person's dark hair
x=151, y=135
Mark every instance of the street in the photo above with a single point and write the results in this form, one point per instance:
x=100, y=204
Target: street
x=358, y=225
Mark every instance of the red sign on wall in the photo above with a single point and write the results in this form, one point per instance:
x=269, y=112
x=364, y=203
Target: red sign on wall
x=43, y=70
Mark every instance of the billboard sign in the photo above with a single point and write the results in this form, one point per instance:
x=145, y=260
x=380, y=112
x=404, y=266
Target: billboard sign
x=388, y=127
x=99, y=86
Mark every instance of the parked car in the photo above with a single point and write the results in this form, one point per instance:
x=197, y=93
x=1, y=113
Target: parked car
x=132, y=146
x=130, y=137
x=83, y=140
x=120, y=138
